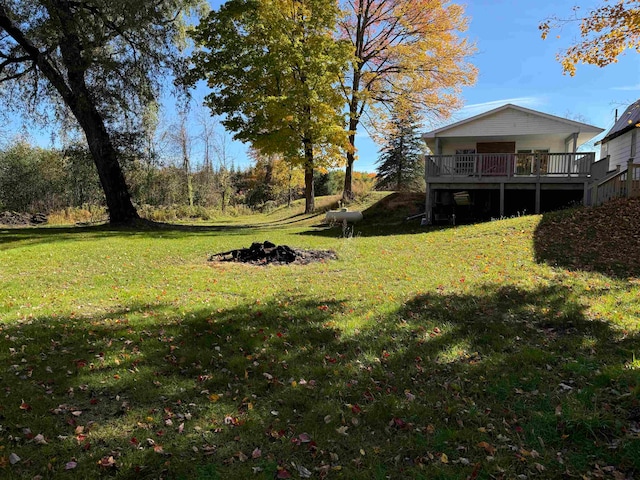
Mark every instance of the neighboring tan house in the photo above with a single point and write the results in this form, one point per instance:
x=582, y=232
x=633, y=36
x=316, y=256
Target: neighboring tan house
x=508, y=161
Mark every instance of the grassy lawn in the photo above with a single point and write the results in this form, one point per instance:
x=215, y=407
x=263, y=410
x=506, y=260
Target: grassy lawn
x=442, y=353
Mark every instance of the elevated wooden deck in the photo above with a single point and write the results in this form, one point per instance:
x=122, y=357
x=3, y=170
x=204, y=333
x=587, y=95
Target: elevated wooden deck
x=540, y=172
x=492, y=168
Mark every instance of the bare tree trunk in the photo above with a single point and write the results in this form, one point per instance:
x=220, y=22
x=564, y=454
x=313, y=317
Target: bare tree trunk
x=309, y=193
x=289, y=199
x=347, y=192
x=105, y=157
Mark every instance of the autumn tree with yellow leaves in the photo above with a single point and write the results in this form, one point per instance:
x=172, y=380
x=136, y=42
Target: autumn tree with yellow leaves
x=605, y=33
x=406, y=51
x=273, y=67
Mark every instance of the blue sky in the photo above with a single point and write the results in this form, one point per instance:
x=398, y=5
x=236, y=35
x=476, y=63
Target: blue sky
x=516, y=66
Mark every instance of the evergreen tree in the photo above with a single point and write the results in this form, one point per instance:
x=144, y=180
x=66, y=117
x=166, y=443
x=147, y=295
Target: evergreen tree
x=401, y=161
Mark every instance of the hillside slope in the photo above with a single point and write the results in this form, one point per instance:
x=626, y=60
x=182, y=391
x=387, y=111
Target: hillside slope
x=604, y=238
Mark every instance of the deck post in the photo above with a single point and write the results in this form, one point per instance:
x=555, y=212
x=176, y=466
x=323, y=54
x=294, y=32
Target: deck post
x=501, y=199
x=594, y=195
x=428, y=207
x=629, y=177
x=585, y=195
x=537, y=198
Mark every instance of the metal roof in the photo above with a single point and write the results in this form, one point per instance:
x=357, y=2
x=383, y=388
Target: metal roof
x=629, y=120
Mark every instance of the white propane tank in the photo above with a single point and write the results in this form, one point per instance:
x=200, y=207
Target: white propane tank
x=343, y=215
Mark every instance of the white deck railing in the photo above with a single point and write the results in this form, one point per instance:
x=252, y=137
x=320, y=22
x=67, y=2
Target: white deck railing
x=510, y=164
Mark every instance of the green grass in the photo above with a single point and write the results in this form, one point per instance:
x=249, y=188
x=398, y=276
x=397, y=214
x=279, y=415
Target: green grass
x=444, y=353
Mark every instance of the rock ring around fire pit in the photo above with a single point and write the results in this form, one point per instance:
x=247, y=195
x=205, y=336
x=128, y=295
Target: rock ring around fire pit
x=267, y=253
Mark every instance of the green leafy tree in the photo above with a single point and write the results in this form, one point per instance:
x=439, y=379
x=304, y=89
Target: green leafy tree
x=273, y=67
x=32, y=179
x=82, y=185
x=401, y=163
x=102, y=60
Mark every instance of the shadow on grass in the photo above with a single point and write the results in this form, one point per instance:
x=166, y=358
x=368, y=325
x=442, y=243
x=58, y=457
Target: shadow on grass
x=386, y=217
x=269, y=386
x=39, y=235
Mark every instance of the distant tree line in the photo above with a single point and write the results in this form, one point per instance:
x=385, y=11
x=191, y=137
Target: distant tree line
x=292, y=79
x=44, y=180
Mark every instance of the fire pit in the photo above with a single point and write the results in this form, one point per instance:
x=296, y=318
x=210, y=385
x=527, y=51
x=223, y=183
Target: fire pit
x=266, y=253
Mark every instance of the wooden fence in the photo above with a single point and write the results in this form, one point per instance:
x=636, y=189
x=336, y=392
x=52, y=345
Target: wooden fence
x=623, y=184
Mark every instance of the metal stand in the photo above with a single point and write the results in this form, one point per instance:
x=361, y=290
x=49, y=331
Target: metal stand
x=347, y=230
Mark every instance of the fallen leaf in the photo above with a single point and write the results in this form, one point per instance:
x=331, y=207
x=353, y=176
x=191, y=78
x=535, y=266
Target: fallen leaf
x=444, y=458
x=490, y=449
x=242, y=457
x=107, y=462
x=257, y=453
x=282, y=473
x=70, y=465
x=13, y=459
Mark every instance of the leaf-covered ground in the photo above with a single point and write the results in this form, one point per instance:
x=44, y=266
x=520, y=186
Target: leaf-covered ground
x=437, y=354
x=605, y=239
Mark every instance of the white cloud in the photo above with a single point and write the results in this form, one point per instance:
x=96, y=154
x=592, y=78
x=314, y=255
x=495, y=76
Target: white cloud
x=477, y=108
x=628, y=88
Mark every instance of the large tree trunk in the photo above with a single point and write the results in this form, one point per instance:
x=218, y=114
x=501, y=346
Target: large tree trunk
x=347, y=192
x=105, y=157
x=309, y=193
x=75, y=94
x=354, y=104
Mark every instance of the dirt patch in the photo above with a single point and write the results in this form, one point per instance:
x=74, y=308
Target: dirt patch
x=22, y=219
x=269, y=253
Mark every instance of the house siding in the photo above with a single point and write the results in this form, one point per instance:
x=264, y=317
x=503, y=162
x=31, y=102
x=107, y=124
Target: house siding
x=450, y=147
x=619, y=150
x=508, y=122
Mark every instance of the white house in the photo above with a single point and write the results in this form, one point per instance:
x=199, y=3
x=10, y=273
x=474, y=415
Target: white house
x=622, y=142
x=620, y=151
x=508, y=160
